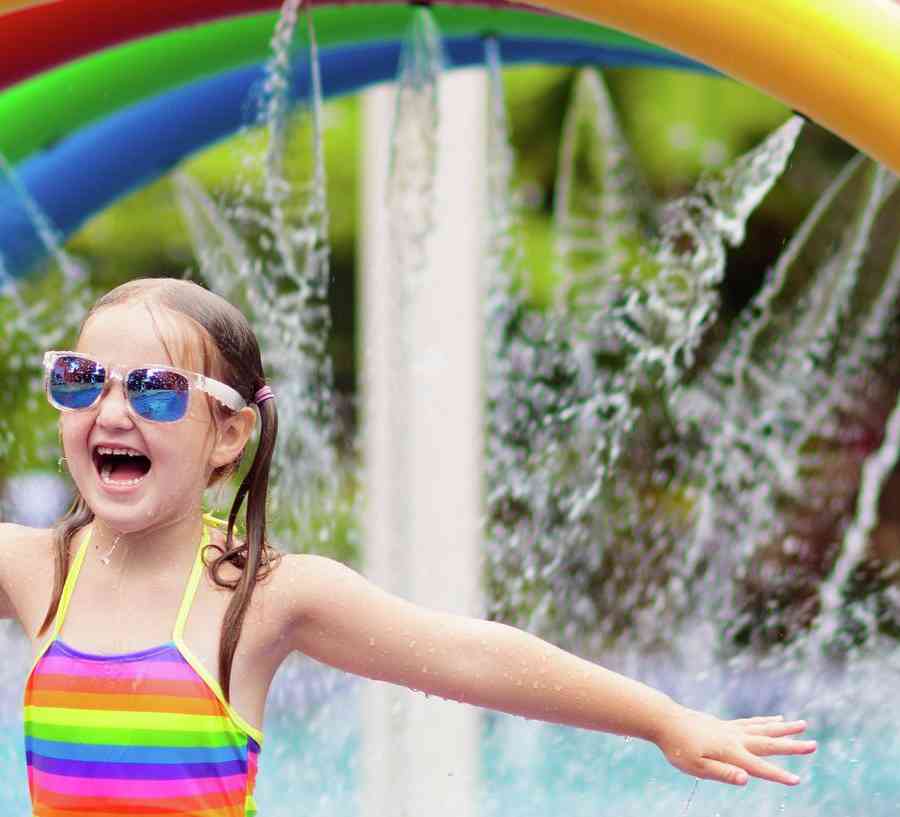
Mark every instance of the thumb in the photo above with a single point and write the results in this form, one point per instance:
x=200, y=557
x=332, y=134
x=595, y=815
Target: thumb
x=722, y=772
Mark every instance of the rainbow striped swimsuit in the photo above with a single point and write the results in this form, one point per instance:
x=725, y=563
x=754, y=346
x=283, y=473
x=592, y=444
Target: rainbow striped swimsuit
x=146, y=733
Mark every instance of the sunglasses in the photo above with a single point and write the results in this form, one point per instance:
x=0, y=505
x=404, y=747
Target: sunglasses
x=160, y=394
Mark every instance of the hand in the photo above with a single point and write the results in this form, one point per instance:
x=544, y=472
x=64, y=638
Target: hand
x=729, y=751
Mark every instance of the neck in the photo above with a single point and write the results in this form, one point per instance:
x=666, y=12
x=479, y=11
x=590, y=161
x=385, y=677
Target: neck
x=166, y=544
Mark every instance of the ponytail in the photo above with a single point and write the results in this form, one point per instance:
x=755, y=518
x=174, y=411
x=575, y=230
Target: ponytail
x=254, y=558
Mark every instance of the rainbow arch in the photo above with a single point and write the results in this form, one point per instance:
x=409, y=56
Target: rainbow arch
x=98, y=97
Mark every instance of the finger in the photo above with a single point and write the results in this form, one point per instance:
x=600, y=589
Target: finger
x=764, y=770
x=710, y=769
x=758, y=719
x=776, y=729
x=766, y=745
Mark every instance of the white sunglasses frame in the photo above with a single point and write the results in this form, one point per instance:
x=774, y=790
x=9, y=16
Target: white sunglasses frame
x=222, y=392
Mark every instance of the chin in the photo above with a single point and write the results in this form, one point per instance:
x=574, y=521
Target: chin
x=122, y=520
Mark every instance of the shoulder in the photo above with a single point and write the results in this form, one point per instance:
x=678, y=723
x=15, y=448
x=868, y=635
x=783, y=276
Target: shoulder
x=18, y=542
x=303, y=585
x=26, y=560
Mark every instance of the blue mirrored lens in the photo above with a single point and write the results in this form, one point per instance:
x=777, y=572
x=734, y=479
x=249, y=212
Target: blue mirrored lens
x=158, y=394
x=75, y=382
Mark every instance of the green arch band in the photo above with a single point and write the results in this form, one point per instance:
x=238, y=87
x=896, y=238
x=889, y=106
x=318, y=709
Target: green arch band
x=94, y=86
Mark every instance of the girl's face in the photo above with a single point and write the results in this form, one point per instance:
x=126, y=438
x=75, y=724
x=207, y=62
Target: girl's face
x=166, y=482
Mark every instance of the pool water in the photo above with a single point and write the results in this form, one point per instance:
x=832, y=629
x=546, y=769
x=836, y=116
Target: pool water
x=310, y=762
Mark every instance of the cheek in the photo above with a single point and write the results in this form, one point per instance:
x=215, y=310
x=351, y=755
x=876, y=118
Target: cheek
x=184, y=449
x=200, y=412
x=73, y=428
x=204, y=428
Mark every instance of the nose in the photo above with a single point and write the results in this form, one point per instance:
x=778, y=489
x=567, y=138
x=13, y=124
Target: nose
x=113, y=411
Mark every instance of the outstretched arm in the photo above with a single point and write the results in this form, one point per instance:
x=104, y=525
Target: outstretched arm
x=343, y=620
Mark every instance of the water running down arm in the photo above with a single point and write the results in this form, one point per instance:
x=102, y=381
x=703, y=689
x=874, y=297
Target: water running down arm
x=341, y=619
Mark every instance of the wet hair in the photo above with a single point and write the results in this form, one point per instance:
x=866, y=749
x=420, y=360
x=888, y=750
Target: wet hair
x=220, y=335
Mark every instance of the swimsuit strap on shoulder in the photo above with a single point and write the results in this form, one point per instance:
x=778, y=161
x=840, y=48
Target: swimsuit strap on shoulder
x=191, y=589
x=69, y=586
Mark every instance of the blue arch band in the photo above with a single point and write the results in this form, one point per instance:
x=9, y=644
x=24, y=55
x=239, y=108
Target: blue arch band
x=96, y=165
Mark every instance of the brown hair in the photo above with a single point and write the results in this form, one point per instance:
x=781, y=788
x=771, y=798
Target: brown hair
x=230, y=353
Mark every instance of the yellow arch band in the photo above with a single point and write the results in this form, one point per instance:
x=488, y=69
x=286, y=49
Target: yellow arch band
x=835, y=61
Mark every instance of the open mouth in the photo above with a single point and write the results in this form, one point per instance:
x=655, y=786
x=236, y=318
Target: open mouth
x=121, y=466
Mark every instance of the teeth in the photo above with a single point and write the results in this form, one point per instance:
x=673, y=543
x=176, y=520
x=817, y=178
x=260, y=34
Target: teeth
x=105, y=476
x=120, y=451
x=106, y=467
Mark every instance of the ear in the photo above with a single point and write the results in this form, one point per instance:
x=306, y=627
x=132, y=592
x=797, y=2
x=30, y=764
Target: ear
x=233, y=434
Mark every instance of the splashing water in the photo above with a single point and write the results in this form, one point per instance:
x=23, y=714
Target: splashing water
x=282, y=285
x=414, y=148
x=790, y=381
x=875, y=472
x=410, y=193
x=604, y=213
x=690, y=800
x=526, y=369
x=585, y=444
x=749, y=385
x=48, y=235
x=8, y=288
x=34, y=316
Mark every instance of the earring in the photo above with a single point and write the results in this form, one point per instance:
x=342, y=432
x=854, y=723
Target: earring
x=61, y=462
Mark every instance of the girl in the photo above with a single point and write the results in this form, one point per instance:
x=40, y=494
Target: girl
x=124, y=710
